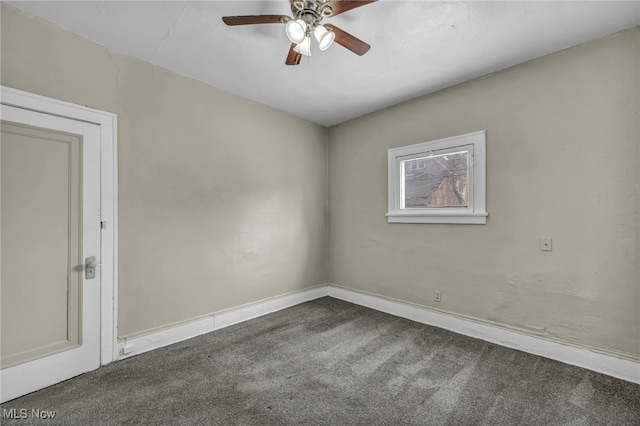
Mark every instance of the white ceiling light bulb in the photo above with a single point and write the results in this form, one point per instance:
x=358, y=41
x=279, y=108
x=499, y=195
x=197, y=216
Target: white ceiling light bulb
x=304, y=48
x=296, y=30
x=324, y=36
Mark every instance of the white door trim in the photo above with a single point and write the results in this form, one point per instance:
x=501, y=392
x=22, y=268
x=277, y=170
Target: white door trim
x=109, y=201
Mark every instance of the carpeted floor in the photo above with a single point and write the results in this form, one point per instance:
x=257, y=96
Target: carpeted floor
x=329, y=362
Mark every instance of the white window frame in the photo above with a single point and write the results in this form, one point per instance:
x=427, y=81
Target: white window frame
x=475, y=213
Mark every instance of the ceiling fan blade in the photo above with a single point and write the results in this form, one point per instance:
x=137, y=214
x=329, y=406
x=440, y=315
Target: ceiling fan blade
x=254, y=19
x=293, y=58
x=341, y=6
x=352, y=43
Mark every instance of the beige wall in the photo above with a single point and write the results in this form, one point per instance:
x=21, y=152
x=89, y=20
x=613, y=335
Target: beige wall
x=563, y=161
x=221, y=202
x=220, y=207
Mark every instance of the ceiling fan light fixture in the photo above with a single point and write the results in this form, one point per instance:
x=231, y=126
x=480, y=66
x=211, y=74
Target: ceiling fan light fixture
x=304, y=48
x=324, y=36
x=296, y=30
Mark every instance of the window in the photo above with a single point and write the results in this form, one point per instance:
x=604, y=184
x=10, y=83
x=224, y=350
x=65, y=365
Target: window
x=441, y=181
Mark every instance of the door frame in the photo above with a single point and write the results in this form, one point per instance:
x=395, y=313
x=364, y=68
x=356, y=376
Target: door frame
x=108, y=123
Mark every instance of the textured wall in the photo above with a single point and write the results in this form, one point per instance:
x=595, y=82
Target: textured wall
x=220, y=207
x=563, y=161
x=218, y=204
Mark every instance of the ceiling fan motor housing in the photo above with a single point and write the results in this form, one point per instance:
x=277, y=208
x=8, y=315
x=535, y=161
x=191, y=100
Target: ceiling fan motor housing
x=311, y=12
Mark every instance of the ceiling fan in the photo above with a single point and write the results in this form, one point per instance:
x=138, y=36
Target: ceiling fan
x=307, y=15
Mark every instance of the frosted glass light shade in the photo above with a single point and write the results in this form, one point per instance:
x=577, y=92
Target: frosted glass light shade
x=296, y=30
x=324, y=36
x=304, y=48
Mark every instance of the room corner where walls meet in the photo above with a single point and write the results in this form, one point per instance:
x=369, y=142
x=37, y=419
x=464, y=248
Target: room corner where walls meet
x=218, y=206
x=210, y=179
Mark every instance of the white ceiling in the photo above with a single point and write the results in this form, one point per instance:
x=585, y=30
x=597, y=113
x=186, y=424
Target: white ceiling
x=418, y=47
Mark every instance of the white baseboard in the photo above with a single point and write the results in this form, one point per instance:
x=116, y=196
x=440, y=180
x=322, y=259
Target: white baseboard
x=610, y=365
x=607, y=364
x=155, y=340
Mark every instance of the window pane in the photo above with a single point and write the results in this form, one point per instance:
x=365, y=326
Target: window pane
x=436, y=181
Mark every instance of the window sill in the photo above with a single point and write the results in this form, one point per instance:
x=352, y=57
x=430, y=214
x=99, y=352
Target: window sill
x=470, y=218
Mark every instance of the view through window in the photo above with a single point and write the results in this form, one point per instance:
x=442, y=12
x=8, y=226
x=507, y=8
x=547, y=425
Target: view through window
x=440, y=181
x=436, y=181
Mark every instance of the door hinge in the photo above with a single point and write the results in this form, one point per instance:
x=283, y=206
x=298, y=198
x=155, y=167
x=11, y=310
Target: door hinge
x=103, y=224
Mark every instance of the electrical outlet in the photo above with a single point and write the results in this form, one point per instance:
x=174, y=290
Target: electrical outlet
x=437, y=296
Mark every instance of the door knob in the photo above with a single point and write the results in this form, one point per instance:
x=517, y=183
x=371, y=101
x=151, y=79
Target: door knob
x=90, y=265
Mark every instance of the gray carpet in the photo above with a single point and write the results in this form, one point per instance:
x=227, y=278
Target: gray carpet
x=329, y=362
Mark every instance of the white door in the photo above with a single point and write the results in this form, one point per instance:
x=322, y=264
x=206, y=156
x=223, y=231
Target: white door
x=50, y=225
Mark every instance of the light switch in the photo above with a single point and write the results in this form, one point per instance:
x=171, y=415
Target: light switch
x=545, y=243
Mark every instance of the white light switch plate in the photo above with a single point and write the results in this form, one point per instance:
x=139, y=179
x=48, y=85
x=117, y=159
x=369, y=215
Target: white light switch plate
x=545, y=244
